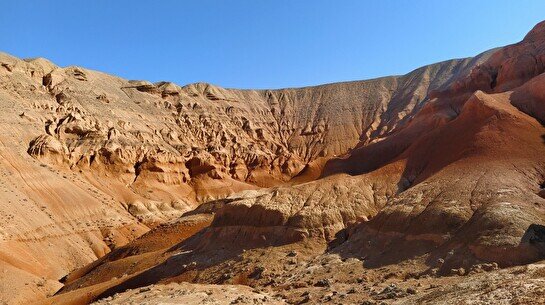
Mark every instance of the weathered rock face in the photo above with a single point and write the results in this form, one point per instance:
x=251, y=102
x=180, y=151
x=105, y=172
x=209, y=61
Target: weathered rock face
x=291, y=214
x=460, y=174
x=457, y=179
x=508, y=68
x=161, y=142
x=86, y=158
x=446, y=161
x=471, y=165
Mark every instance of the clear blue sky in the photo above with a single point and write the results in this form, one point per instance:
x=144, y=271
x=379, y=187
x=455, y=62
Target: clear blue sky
x=257, y=43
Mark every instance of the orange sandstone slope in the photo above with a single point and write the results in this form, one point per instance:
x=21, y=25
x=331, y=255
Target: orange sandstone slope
x=471, y=169
x=451, y=172
x=446, y=161
x=89, y=161
x=459, y=179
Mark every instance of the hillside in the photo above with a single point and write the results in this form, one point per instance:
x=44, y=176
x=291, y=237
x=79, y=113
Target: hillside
x=111, y=184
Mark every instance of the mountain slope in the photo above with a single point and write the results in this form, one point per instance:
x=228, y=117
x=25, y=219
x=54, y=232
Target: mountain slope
x=445, y=183
x=444, y=162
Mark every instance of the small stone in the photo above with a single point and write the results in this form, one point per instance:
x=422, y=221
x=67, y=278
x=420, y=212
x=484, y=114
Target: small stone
x=459, y=271
x=411, y=290
x=490, y=266
x=306, y=299
x=144, y=289
x=237, y=300
x=323, y=283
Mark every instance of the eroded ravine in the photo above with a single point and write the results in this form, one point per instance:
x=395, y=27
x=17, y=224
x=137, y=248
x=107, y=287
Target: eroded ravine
x=90, y=162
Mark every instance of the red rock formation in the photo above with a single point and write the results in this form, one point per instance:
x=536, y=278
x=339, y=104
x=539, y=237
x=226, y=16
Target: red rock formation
x=446, y=163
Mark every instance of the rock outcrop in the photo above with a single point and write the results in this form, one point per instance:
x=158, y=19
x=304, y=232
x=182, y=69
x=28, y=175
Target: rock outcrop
x=444, y=164
x=91, y=161
x=472, y=167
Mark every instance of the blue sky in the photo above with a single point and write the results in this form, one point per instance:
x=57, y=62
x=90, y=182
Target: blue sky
x=260, y=44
